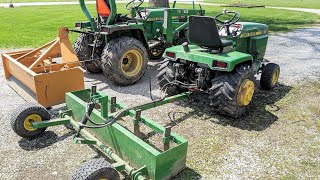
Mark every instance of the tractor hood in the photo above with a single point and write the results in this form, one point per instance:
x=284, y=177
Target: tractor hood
x=249, y=29
x=221, y=62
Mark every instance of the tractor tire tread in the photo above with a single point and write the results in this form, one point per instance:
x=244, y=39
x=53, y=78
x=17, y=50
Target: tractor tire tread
x=94, y=168
x=113, y=51
x=19, y=114
x=266, y=75
x=83, y=52
x=223, y=91
x=166, y=74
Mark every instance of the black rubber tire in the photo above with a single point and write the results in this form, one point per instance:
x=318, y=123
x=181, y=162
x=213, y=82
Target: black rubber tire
x=83, y=51
x=96, y=169
x=267, y=74
x=224, y=91
x=166, y=74
x=155, y=57
x=21, y=113
x=111, y=60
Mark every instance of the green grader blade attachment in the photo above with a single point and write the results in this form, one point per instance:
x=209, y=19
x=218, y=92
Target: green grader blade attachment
x=129, y=152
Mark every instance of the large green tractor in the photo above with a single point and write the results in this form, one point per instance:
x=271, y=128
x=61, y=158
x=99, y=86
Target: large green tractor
x=120, y=45
x=222, y=59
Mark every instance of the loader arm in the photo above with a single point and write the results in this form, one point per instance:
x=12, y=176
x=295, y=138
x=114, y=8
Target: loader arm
x=93, y=23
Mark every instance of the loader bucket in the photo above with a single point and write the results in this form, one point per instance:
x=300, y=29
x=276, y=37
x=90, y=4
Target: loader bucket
x=48, y=71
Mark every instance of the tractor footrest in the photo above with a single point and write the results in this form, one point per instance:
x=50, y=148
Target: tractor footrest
x=77, y=140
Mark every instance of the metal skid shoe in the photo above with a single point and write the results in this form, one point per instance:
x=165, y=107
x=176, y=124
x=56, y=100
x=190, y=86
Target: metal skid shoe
x=94, y=116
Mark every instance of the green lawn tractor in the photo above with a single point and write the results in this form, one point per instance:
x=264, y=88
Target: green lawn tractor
x=222, y=59
x=120, y=45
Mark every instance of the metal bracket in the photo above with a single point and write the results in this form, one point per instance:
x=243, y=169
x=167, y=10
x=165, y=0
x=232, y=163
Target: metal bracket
x=54, y=122
x=113, y=104
x=166, y=138
x=139, y=173
x=119, y=166
x=77, y=140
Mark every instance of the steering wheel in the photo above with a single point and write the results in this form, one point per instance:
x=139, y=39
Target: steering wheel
x=227, y=23
x=235, y=18
x=135, y=6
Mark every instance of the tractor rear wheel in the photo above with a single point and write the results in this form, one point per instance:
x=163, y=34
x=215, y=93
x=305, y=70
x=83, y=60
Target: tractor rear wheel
x=96, y=169
x=269, y=76
x=83, y=51
x=24, y=115
x=124, y=60
x=166, y=75
x=231, y=93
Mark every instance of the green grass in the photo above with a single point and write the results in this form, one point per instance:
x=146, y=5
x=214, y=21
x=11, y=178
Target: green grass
x=314, y=4
x=15, y=1
x=34, y=26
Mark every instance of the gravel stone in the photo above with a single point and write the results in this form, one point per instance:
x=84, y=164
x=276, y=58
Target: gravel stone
x=261, y=145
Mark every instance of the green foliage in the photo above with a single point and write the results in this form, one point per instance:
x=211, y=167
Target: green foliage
x=36, y=25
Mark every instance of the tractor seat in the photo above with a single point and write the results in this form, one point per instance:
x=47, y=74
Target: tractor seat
x=203, y=32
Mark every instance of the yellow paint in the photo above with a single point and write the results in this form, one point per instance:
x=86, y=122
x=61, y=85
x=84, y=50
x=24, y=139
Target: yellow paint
x=31, y=118
x=245, y=92
x=275, y=77
x=131, y=63
x=244, y=35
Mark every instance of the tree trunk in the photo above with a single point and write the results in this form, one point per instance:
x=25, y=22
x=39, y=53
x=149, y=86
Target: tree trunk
x=159, y=3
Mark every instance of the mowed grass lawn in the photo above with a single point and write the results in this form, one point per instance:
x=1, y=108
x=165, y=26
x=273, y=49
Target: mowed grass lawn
x=34, y=26
x=313, y=4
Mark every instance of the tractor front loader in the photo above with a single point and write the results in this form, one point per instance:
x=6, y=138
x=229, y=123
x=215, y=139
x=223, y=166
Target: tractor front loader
x=120, y=45
x=48, y=71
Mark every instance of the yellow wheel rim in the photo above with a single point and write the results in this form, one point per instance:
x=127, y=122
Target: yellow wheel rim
x=131, y=63
x=245, y=92
x=31, y=118
x=275, y=77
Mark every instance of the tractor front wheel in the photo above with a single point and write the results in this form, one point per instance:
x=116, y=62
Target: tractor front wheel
x=96, y=169
x=269, y=76
x=124, y=60
x=24, y=115
x=231, y=93
x=83, y=51
x=166, y=76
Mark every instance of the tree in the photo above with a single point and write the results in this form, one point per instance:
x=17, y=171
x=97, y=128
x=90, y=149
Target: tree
x=159, y=3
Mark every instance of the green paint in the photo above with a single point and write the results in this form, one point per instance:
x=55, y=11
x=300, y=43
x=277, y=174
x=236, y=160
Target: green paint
x=155, y=24
x=253, y=37
x=196, y=55
x=54, y=122
x=122, y=145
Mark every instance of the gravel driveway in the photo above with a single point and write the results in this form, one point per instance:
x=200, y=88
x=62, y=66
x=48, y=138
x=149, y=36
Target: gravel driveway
x=264, y=144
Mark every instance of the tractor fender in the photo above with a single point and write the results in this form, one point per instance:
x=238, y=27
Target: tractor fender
x=135, y=32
